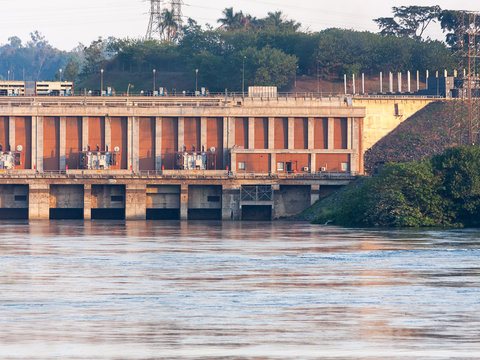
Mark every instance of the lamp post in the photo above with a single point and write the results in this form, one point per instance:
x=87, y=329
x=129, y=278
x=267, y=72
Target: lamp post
x=295, y=81
x=101, y=82
x=8, y=82
x=128, y=88
x=60, y=71
x=243, y=76
x=154, y=71
x=196, y=81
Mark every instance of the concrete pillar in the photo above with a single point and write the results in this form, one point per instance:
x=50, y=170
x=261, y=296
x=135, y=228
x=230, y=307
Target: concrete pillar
x=345, y=83
x=63, y=142
x=251, y=133
x=409, y=88
x=390, y=82
x=355, y=155
x=349, y=133
x=427, y=76
x=228, y=138
x=85, y=133
x=135, y=201
x=108, y=133
x=231, y=202
x=87, y=202
x=136, y=144
x=184, y=202
x=181, y=133
x=158, y=143
x=363, y=83
x=11, y=133
x=399, y=78
x=133, y=143
x=313, y=162
x=129, y=143
x=39, y=145
x=331, y=134
x=203, y=133
x=34, y=142
x=311, y=133
x=418, y=80
x=291, y=133
x=39, y=201
x=314, y=194
x=381, y=82
x=275, y=187
x=273, y=163
x=233, y=161
x=353, y=84
x=271, y=133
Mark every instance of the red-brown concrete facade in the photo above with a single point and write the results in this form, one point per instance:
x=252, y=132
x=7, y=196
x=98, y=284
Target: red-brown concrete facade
x=268, y=141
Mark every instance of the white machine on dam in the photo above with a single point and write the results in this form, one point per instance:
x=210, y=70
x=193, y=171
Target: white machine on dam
x=196, y=160
x=98, y=160
x=10, y=159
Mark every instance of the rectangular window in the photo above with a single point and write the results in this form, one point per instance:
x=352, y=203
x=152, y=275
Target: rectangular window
x=280, y=166
x=20, y=197
x=213, y=199
x=117, y=198
x=344, y=166
x=241, y=165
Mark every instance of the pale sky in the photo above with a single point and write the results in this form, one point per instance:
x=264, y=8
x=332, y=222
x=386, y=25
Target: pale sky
x=65, y=23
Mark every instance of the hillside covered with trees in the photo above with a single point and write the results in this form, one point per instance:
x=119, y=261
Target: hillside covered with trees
x=440, y=191
x=272, y=50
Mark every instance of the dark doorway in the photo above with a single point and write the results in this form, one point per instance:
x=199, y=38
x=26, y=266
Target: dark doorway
x=14, y=214
x=288, y=167
x=66, y=214
x=256, y=212
x=108, y=214
x=163, y=214
x=204, y=214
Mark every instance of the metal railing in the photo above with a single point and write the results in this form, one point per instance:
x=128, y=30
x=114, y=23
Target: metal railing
x=256, y=193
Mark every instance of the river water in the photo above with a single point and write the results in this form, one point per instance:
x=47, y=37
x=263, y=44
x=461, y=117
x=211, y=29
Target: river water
x=280, y=290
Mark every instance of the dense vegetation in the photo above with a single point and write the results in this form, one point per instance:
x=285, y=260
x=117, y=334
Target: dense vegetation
x=264, y=51
x=442, y=191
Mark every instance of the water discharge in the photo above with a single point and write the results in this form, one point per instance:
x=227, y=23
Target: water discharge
x=156, y=290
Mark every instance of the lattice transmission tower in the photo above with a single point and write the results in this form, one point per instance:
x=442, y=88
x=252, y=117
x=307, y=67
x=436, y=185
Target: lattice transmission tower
x=154, y=25
x=177, y=12
x=160, y=25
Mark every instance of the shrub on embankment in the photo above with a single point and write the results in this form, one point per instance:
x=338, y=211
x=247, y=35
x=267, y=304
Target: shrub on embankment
x=442, y=191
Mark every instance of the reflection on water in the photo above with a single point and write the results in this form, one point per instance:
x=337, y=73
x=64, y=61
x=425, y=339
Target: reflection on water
x=150, y=290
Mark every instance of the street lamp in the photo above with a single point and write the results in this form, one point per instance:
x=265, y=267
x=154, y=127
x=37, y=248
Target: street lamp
x=60, y=71
x=8, y=82
x=154, y=71
x=101, y=82
x=243, y=76
x=196, y=81
x=295, y=82
x=128, y=88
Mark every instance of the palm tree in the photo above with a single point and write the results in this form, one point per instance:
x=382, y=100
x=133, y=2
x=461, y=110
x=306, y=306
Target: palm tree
x=169, y=26
x=235, y=20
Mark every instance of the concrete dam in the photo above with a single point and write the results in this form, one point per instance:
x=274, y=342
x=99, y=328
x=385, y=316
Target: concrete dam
x=200, y=158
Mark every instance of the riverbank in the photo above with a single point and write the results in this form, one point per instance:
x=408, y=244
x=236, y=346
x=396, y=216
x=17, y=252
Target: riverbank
x=441, y=191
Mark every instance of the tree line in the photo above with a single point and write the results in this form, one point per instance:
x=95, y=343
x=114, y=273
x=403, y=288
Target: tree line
x=256, y=51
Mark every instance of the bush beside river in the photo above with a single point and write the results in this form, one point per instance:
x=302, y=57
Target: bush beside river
x=441, y=191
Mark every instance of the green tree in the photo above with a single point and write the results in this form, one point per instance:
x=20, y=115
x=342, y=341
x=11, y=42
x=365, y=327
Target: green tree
x=71, y=70
x=408, y=21
x=94, y=57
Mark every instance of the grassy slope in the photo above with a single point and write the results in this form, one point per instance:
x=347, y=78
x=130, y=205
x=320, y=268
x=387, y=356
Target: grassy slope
x=438, y=126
